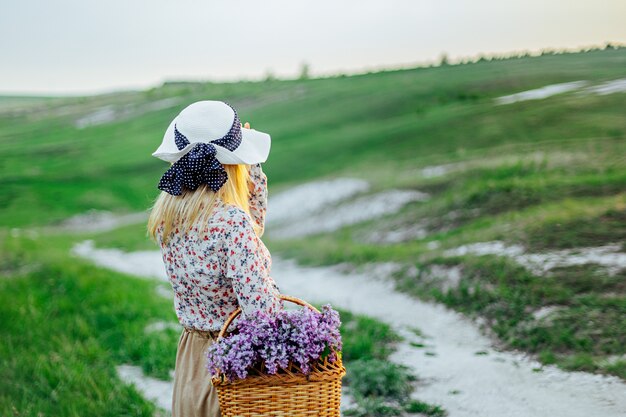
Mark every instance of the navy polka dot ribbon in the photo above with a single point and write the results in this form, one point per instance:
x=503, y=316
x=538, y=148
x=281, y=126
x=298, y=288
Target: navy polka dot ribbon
x=199, y=165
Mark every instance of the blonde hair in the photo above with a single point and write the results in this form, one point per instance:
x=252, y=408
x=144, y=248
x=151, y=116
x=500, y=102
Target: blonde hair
x=196, y=206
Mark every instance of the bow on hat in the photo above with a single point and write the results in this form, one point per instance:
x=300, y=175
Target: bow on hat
x=199, y=165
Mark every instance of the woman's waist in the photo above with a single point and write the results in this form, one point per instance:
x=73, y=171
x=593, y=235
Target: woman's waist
x=206, y=334
x=207, y=327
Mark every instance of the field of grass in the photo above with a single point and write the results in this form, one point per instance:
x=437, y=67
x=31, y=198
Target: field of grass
x=65, y=325
x=547, y=174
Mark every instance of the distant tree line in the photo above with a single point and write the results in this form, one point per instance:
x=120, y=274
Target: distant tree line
x=304, y=72
x=526, y=54
x=444, y=60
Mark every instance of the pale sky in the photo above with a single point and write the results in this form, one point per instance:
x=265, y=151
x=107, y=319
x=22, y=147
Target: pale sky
x=72, y=46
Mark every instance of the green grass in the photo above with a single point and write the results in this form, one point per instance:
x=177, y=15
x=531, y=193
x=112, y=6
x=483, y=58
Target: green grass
x=425, y=409
x=607, y=227
x=129, y=238
x=380, y=378
x=381, y=388
x=65, y=325
x=365, y=338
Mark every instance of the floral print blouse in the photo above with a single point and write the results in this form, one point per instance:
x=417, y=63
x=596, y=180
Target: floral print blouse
x=223, y=264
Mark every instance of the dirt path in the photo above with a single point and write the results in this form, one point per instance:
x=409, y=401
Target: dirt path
x=458, y=367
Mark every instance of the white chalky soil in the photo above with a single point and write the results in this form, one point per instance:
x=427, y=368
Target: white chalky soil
x=328, y=205
x=608, y=256
x=158, y=391
x=608, y=87
x=541, y=93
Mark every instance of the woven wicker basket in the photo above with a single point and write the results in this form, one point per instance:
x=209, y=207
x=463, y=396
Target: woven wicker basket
x=288, y=393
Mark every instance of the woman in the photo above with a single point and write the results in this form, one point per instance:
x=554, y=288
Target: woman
x=208, y=220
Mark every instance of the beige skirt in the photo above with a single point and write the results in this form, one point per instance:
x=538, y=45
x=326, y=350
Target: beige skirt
x=194, y=395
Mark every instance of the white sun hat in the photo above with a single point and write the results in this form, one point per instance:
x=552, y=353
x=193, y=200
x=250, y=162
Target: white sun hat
x=214, y=122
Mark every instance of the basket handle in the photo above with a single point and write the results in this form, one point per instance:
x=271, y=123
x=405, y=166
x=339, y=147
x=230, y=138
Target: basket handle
x=237, y=311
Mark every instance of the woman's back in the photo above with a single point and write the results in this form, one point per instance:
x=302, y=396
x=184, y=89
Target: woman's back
x=216, y=267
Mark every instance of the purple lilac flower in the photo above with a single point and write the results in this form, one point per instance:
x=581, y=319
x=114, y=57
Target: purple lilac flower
x=297, y=336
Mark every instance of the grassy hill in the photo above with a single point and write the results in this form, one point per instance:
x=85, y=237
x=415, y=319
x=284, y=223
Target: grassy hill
x=547, y=174
x=395, y=119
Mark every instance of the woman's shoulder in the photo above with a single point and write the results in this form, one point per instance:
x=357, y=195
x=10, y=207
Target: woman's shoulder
x=231, y=216
x=237, y=216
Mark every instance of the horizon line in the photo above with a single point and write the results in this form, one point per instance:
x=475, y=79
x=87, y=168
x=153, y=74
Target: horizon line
x=268, y=75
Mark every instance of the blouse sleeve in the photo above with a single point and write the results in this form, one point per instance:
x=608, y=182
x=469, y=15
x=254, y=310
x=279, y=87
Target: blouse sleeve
x=258, y=196
x=245, y=268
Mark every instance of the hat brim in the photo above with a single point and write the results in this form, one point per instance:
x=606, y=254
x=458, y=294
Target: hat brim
x=253, y=149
